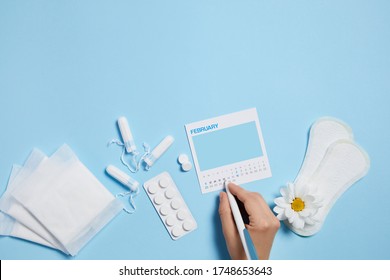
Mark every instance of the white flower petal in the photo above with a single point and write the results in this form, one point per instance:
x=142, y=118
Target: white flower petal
x=309, y=204
x=278, y=209
x=281, y=216
x=289, y=212
x=312, y=205
x=281, y=201
x=310, y=221
x=291, y=192
x=310, y=211
x=302, y=190
x=284, y=192
x=309, y=198
x=305, y=213
x=298, y=223
x=293, y=216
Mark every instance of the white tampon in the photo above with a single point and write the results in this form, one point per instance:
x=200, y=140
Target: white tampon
x=122, y=177
x=127, y=137
x=159, y=150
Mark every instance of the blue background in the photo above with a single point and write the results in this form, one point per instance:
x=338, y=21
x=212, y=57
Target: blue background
x=226, y=146
x=69, y=69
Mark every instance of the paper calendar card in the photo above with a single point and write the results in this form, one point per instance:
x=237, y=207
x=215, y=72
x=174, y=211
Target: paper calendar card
x=229, y=147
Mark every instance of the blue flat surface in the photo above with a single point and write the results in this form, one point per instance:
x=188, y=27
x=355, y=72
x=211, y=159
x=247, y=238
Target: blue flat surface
x=69, y=69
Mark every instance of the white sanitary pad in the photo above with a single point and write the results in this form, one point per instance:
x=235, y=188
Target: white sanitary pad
x=8, y=225
x=333, y=162
x=57, y=202
x=323, y=133
x=11, y=227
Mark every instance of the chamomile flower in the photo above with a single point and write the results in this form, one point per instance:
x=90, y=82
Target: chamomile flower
x=297, y=206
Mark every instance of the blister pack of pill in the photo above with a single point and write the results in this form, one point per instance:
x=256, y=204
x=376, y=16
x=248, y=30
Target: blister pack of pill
x=170, y=205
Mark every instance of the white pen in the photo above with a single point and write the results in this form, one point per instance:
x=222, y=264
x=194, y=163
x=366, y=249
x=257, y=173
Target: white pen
x=245, y=237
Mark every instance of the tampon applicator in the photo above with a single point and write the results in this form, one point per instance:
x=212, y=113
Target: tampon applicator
x=158, y=151
x=127, y=136
x=122, y=177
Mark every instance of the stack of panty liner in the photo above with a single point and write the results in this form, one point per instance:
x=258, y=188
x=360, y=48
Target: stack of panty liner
x=55, y=201
x=333, y=162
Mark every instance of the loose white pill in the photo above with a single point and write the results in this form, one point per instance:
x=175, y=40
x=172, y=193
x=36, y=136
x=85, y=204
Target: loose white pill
x=170, y=221
x=175, y=204
x=187, y=166
x=182, y=158
x=159, y=199
x=169, y=193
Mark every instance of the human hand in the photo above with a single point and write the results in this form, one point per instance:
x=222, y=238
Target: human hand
x=262, y=227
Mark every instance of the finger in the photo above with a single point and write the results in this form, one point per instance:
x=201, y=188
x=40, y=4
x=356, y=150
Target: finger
x=254, y=203
x=244, y=196
x=239, y=192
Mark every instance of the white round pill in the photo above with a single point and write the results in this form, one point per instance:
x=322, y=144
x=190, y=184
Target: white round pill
x=188, y=225
x=152, y=189
x=181, y=215
x=170, y=221
x=177, y=231
x=159, y=199
x=175, y=204
x=163, y=182
x=182, y=158
x=164, y=210
x=187, y=166
x=169, y=193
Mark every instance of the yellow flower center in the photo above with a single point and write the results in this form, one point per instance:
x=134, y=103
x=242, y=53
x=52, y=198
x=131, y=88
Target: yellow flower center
x=297, y=205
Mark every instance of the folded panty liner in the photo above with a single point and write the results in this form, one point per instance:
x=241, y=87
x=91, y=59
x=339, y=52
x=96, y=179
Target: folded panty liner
x=63, y=201
x=344, y=163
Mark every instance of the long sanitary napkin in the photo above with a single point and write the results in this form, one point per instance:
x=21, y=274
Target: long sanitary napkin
x=333, y=163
